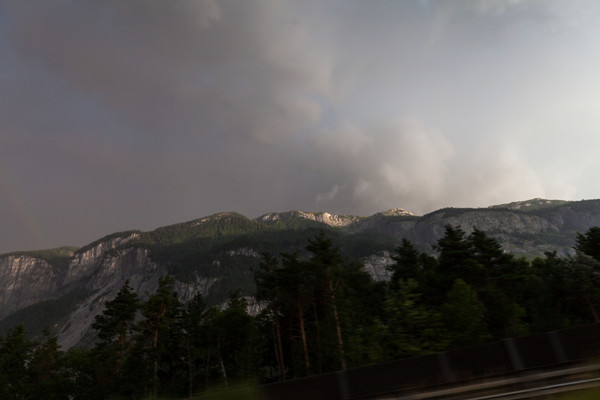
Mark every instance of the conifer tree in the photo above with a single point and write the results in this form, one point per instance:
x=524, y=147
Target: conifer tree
x=15, y=354
x=161, y=313
x=49, y=377
x=326, y=261
x=270, y=294
x=115, y=327
x=295, y=282
x=413, y=327
x=408, y=263
x=194, y=323
x=463, y=316
x=456, y=259
x=233, y=336
x=550, y=308
x=589, y=243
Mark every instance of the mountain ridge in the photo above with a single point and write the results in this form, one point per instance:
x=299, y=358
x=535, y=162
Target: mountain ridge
x=330, y=219
x=66, y=287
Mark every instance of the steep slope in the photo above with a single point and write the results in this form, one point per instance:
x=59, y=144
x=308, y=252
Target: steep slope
x=27, y=280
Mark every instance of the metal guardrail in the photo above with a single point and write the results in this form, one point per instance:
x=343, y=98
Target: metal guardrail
x=552, y=361
x=524, y=386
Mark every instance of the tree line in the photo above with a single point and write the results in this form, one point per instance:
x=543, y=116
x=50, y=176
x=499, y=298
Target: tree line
x=318, y=312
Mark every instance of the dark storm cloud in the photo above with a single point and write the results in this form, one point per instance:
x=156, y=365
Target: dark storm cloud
x=176, y=68
x=121, y=115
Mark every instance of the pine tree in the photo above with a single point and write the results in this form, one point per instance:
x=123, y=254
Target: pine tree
x=326, y=262
x=584, y=282
x=589, y=243
x=463, y=316
x=82, y=370
x=502, y=284
x=15, y=354
x=160, y=329
x=550, y=305
x=271, y=296
x=194, y=323
x=413, y=327
x=49, y=377
x=295, y=282
x=408, y=263
x=457, y=259
x=115, y=329
x=234, y=335
x=361, y=314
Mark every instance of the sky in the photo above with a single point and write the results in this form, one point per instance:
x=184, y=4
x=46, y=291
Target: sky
x=119, y=115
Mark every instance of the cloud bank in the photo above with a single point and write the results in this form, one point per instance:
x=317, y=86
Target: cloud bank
x=122, y=115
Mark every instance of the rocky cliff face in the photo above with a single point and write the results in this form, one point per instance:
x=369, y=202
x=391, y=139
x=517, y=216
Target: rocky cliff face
x=87, y=262
x=106, y=277
x=26, y=280
x=377, y=264
x=99, y=271
x=326, y=218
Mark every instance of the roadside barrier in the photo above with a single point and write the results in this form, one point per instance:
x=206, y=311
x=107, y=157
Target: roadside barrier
x=511, y=365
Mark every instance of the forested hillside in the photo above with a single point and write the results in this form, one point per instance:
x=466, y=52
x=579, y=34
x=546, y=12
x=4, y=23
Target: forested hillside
x=66, y=288
x=319, y=311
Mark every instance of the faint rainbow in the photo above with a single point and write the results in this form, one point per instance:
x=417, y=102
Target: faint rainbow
x=24, y=213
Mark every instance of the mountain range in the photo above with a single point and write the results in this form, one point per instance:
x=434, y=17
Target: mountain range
x=65, y=288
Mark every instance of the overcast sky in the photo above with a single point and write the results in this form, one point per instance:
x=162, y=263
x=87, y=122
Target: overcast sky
x=118, y=115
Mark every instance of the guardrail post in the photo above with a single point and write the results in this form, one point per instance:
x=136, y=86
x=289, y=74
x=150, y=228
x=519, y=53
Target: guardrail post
x=342, y=385
x=445, y=367
x=559, y=350
x=513, y=354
